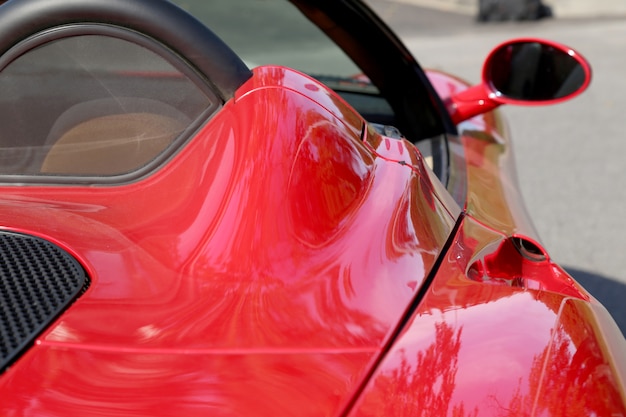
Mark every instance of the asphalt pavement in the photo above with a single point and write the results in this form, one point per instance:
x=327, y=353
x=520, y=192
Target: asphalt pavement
x=570, y=157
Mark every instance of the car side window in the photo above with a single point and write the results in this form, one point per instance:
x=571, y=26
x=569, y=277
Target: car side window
x=93, y=105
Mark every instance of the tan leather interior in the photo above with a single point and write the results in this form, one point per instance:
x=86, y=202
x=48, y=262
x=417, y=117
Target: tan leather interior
x=112, y=144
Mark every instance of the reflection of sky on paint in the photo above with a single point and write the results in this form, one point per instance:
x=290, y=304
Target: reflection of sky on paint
x=490, y=327
x=322, y=95
x=499, y=341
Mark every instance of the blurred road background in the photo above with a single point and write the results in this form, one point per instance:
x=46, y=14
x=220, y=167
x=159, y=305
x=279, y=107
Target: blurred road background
x=571, y=158
x=561, y=8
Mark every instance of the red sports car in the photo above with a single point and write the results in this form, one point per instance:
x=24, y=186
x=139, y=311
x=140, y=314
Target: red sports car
x=276, y=212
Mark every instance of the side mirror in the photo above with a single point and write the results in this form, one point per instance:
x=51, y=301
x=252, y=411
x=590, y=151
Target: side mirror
x=523, y=72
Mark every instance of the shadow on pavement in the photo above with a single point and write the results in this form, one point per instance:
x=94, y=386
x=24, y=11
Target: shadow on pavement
x=609, y=292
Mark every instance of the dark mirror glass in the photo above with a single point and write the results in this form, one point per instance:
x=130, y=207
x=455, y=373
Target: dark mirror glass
x=534, y=71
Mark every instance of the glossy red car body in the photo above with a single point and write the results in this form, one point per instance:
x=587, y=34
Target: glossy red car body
x=291, y=260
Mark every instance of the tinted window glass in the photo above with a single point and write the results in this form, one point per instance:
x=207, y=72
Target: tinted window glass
x=92, y=105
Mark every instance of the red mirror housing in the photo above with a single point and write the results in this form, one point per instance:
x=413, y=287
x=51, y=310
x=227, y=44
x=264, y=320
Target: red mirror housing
x=526, y=71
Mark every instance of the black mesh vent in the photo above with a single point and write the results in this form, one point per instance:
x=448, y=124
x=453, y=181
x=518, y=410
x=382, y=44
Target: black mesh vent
x=38, y=280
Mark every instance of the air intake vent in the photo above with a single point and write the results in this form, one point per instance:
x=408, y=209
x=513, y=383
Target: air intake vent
x=38, y=280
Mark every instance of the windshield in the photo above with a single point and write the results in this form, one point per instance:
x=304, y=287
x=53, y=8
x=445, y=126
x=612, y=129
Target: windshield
x=256, y=30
